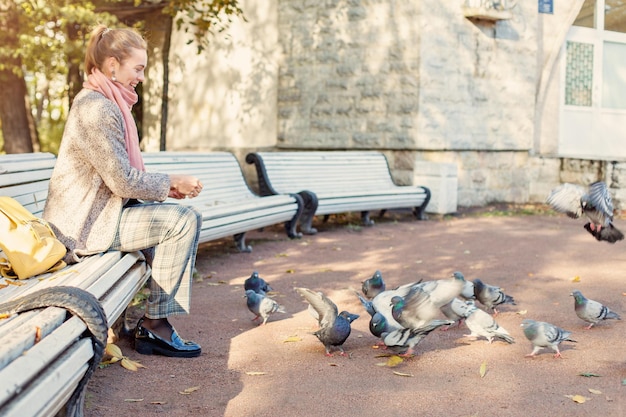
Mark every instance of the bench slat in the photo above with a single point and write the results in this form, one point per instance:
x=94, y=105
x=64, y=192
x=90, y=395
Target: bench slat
x=57, y=383
x=228, y=205
x=24, y=368
x=333, y=182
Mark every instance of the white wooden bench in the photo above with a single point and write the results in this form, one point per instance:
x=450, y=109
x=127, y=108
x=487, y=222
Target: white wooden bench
x=333, y=182
x=44, y=353
x=228, y=206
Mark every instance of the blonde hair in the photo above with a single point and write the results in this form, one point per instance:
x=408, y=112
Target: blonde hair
x=104, y=43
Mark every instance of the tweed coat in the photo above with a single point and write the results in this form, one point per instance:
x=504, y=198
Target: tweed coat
x=93, y=179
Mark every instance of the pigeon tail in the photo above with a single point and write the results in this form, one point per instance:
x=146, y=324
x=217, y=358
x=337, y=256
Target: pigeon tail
x=608, y=233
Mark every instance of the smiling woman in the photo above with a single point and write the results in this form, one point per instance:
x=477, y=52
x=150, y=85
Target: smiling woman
x=101, y=198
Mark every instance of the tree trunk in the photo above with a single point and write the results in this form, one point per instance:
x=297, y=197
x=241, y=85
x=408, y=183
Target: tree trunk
x=18, y=130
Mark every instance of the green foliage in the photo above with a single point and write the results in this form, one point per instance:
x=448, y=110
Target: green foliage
x=52, y=34
x=203, y=17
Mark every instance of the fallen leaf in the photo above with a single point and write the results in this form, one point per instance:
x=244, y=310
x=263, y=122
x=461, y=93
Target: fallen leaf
x=522, y=312
x=3, y=286
x=578, y=398
x=113, y=350
x=133, y=400
x=294, y=338
x=576, y=279
x=402, y=374
x=281, y=255
x=255, y=373
x=332, y=364
x=128, y=364
x=189, y=390
x=394, y=361
x=588, y=374
x=483, y=369
x=13, y=282
x=158, y=402
x=37, y=334
x=290, y=271
x=595, y=391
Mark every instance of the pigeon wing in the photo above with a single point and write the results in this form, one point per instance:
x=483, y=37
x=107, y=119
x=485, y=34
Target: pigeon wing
x=566, y=198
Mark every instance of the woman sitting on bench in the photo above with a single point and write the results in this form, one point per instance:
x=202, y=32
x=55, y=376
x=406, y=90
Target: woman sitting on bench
x=99, y=179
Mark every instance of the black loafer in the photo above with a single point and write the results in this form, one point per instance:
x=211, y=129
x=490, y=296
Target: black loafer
x=148, y=343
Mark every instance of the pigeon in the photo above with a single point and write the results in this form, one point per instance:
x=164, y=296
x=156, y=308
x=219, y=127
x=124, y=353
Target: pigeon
x=334, y=327
x=543, y=334
x=490, y=295
x=423, y=302
x=381, y=302
x=595, y=203
x=262, y=306
x=483, y=324
x=456, y=310
x=379, y=325
x=257, y=284
x=403, y=341
x=591, y=311
x=373, y=286
x=468, y=291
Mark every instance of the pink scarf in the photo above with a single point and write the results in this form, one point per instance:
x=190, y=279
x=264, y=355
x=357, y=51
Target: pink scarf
x=125, y=98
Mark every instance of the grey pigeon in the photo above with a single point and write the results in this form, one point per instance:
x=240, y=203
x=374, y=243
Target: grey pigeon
x=468, y=291
x=424, y=301
x=262, y=306
x=542, y=334
x=591, y=311
x=490, y=295
x=379, y=325
x=334, y=327
x=456, y=310
x=256, y=284
x=483, y=324
x=403, y=341
x=595, y=203
x=373, y=286
x=381, y=304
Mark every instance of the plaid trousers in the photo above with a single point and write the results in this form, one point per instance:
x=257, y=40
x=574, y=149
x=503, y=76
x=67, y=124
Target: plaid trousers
x=168, y=235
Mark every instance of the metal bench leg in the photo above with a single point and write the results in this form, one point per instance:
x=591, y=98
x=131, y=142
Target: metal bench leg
x=365, y=219
x=309, y=201
x=420, y=212
x=381, y=214
x=240, y=240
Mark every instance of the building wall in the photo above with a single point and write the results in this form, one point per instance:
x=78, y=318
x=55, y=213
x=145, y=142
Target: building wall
x=412, y=78
x=224, y=98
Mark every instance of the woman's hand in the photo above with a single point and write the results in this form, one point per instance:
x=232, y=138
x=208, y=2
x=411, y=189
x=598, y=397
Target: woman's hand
x=182, y=186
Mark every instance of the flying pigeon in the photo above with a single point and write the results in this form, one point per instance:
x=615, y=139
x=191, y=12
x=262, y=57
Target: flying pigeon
x=403, y=341
x=490, y=295
x=483, y=324
x=591, y=311
x=423, y=302
x=373, y=286
x=334, y=328
x=256, y=284
x=595, y=203
x=262, y=306
x=543, y=334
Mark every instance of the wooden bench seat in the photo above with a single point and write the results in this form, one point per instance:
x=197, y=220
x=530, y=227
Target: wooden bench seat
x=228, y=206
x=333, y=182
x=43, y=353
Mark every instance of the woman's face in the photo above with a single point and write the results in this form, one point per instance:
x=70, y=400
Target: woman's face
x=130, y=72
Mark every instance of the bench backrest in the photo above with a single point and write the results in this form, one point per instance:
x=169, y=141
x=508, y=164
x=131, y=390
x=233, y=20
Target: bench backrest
x=25, y=177
x=324, y=172
x=220, y=174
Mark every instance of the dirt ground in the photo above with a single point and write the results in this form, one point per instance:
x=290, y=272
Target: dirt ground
x=280, y=368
